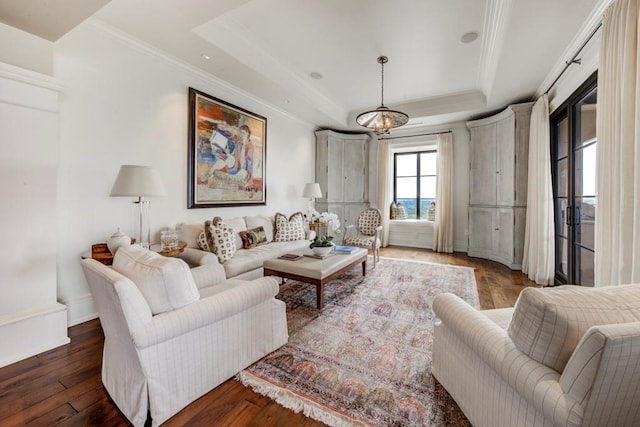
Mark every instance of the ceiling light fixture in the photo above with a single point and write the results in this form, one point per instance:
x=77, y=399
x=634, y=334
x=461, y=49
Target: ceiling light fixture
x=382, y=119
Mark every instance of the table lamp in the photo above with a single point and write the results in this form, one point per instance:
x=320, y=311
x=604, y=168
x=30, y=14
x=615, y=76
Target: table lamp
x=312, y=191
x=139, y=181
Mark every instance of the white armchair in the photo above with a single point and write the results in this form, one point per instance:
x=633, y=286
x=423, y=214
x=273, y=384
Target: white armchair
x=158, y=364
x=565, y=356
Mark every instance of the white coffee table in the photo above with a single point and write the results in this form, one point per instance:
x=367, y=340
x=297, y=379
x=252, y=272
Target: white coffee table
x=316, y=271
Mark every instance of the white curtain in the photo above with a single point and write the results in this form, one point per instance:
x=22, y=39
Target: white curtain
x=538, y=261
x=617, y=234
x=384, y=186
x=443, y=226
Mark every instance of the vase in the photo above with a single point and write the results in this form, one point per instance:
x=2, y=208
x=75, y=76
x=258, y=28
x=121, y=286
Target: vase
x=116, y=240
x=322, y=250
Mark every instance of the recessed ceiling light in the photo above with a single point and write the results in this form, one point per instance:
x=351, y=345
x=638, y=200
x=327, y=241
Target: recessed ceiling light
x=469, y=37
x=315, y=75
x=205, y=56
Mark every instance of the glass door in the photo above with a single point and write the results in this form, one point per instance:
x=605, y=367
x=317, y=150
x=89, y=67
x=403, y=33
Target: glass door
x=573, y=139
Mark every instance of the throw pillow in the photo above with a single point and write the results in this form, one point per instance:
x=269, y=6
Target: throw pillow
x=220, y=238
x=252, y=238
x=202, y=242
x=166, y=283
x=398, y=211
x=288, y=230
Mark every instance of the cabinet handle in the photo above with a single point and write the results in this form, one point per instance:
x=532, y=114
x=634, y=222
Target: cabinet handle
x=568, y=215
x=578, y=217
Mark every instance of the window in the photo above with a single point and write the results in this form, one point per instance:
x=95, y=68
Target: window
x=414, y=182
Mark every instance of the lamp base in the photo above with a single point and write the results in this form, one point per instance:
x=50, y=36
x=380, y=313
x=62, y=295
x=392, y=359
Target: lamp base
x=142, y=229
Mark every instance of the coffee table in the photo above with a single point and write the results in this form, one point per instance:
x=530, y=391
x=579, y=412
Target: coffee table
x=316, y=271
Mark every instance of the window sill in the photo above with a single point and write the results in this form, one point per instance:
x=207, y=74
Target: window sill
x=410, y=221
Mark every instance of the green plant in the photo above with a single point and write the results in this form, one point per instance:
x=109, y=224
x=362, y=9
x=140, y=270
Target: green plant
x=321, y=242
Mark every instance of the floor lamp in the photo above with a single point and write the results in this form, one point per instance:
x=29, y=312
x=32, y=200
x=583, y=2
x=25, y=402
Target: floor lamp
x=139, y=181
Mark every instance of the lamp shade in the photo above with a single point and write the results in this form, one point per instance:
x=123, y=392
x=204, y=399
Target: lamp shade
x=136, y=181
x=312, y=190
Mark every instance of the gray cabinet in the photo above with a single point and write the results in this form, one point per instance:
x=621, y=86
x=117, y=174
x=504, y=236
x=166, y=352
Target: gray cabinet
x=498, y=185
x=342, y=171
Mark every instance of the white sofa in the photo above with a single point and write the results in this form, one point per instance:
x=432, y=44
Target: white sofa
x=245, y=263
x=173, y=333
x=565, y=356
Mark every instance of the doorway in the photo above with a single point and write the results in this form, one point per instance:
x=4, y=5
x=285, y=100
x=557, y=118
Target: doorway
x=573, y=154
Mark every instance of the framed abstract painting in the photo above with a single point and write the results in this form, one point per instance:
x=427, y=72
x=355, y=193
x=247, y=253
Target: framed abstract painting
x=227, y=154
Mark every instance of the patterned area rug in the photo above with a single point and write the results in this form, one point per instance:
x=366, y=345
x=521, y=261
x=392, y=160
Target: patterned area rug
x=365, y=358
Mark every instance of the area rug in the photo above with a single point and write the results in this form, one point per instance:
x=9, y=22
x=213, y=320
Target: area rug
x=365, y=358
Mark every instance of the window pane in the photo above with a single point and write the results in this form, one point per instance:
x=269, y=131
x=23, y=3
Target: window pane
x=586, y=117
x=586, y=262
x=428, y=187
x=425, y=213
x=428, y=163
x=406, y=188
x=406, y=164
x=586, y=171
x=563, y=138
x=562, y=175
x=585, y=219
x=410, y=206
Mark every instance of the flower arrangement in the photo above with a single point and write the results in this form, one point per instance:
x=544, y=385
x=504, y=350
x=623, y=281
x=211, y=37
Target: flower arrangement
x=324, y=237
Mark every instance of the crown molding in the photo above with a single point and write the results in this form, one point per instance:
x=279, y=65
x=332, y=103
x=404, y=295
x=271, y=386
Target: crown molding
x=33, y=78
x=182, y=65
x=496, y=19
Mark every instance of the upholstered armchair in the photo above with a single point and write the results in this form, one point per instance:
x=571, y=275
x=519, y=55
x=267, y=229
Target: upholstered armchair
x=367, y=232
x=172, y=334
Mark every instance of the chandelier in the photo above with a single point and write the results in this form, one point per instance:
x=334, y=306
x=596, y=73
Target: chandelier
x=382, y=119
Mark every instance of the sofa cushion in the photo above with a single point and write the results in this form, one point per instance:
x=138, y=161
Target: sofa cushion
x=250, y=259
x=288, y=230
x=189, y=233
x=253, y=237
x=547, y=324
x=261, y=221
x=220, y=238
x=166, y=283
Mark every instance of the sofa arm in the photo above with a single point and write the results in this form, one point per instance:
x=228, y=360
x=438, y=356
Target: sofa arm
x=208, y=275
x=235, y=297
x=535, y=382
x=196, y=257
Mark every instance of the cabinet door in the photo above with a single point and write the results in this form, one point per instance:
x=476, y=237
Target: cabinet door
x=354, y=161
x=523, y=121
x=482, y=185
x=505, y=152
x=482, y=231
x=504, y=235
x=335, y=170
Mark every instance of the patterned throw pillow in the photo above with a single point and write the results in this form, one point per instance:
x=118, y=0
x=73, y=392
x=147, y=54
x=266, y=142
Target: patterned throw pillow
x=288, y=230
x=398, y=211
x=220, y=238
x=254, y=237
x=202, y=242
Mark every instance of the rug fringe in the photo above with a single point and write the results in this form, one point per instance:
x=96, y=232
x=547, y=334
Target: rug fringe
x=297, y=403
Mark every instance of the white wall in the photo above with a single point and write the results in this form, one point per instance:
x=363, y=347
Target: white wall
x=127, y=104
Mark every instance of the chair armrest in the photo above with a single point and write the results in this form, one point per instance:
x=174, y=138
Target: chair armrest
x=195, y=257
x=535, y=382
x=346, y=229
x=208, y=275
x=238, y=296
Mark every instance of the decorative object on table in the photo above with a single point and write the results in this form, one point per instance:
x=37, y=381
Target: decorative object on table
x=323, y=223
x=116, y=240
x=168, y=239
x=343, y=249
x=177, y=250
x=365, y=360
x=139, y=181
x=312, y=191
x=291, y=257
x=368, y=228
x=100, y=252
x=227, y=154
x=382, y=119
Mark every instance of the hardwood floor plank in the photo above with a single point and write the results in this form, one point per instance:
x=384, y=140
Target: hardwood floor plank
x=33, y=392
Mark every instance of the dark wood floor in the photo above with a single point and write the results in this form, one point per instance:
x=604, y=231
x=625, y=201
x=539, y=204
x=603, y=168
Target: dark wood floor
x=63, y=386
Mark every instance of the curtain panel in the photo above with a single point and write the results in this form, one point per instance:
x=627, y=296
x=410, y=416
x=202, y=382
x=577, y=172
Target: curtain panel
x=443, y=226
x=538, y=261
x=617, y=226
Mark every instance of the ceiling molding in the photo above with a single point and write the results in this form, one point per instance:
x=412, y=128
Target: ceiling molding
x=229, y=37
x=594, y=19
x=33, y=78
x=462, y=101
x=496, y=19
x=184, y=66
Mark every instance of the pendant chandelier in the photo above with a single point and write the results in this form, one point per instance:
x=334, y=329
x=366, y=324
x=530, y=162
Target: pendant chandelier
x=382, y=119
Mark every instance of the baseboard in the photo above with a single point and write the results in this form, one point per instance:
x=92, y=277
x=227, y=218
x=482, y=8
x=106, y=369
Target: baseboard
x=27, y=334
x=80, y=309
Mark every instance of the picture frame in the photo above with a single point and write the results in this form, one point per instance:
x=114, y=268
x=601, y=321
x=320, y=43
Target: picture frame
x=227, y=154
